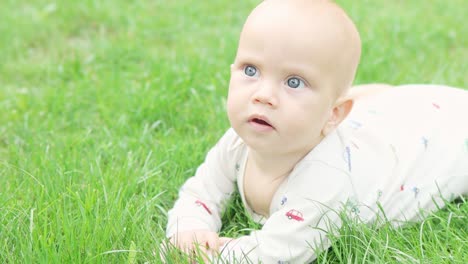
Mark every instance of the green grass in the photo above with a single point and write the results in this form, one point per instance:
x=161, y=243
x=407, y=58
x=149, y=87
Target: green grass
x=108, y=106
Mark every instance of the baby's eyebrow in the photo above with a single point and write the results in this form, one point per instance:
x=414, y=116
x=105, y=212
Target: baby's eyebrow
x=304, y=69
x=243, y=63
x=248, y=57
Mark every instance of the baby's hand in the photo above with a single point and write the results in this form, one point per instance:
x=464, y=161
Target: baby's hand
x=196, y=242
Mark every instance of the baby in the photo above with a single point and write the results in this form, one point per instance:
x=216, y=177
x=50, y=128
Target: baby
x=303, y=146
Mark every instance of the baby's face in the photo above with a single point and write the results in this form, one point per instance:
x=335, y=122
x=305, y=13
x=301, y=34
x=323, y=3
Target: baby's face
x=284, y=79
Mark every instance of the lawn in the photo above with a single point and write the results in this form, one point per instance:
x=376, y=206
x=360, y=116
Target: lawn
x=108, y=106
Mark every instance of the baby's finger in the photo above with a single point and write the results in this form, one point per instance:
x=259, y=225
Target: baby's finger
x=177, y=242
x=212, y=242
x=187, y=248
x=200, y=251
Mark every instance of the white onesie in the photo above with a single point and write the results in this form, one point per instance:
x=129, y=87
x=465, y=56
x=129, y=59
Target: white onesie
x=402, y=149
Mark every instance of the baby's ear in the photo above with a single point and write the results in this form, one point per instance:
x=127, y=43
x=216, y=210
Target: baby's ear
x=339, y=112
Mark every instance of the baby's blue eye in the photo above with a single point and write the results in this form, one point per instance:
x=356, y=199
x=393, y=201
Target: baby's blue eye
x=250, y=70
x=295, y=82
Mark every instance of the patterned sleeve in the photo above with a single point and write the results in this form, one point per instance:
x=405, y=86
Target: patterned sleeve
x=202, y=197
x=306, y=211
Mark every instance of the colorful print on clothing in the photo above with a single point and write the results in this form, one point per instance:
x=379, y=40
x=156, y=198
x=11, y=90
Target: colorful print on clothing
x=295, y=215
x=354, y=124
x=347, y=157
x=352, y=204
x=424, y=141
x=379, y=194
x=416, y=191
x=200, y=203
x=355, y=145
x=284, y=199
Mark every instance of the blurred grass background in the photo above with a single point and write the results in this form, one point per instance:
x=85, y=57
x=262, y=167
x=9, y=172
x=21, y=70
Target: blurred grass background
x=108, y=106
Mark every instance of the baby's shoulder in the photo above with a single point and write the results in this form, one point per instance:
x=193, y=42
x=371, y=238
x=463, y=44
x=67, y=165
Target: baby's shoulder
x=231, y=140
x=230, y=148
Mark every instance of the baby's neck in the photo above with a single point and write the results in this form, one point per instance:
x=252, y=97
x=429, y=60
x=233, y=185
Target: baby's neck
x=276, y=165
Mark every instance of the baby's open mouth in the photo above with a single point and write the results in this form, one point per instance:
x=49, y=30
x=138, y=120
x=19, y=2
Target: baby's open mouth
x=261, y=122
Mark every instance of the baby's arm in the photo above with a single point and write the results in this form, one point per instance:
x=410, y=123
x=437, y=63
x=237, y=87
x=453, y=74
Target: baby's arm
x=309, y=209
x=195, y=218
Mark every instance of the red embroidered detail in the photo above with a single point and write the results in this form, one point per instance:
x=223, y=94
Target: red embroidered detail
x=294, y=214
x=402, y=187
x=436, y=105
x=200, y=203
